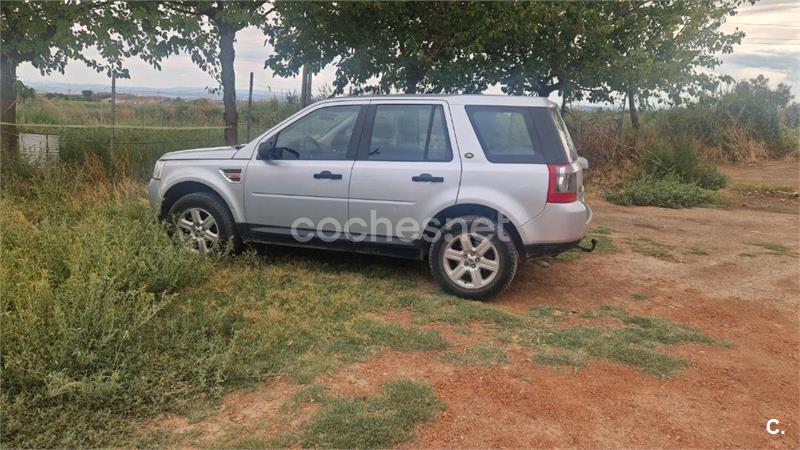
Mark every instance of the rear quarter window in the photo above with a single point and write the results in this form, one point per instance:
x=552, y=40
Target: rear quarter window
x=518, y=135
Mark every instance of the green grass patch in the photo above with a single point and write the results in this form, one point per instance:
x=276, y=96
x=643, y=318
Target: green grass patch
x=549, y=356
x=649, y=247
x=636, y=341
x=664, y=192
x=481, y=355
x=639, y=296
x=697, y=251
x=380, y=421
x=775, y=248
x=746, y=255
x=604, y=244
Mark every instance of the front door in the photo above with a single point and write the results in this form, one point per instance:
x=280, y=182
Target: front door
x=304, y=184
x=406, y=171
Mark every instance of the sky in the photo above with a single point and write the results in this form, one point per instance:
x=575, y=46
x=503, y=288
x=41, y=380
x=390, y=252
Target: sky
x=771, y=47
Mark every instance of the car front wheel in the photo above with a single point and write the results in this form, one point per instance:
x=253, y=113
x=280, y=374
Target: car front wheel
x=203, y=222
x=471, y=258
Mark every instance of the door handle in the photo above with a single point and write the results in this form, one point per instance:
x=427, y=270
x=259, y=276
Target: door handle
x=326, y=174
x=427, y=177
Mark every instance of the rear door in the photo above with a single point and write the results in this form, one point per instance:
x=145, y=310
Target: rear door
x=305, y=185
x=406, y=170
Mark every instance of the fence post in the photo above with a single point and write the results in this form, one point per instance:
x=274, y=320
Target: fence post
x=249, y=107
x=113, y=108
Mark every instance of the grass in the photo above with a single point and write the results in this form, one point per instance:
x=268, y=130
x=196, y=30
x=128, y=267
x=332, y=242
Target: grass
x=649, y=247
x=664, y=192
x=604, y=244
x=639, y=296
x=775, y=249
x=555, y=357
x=380, y=421
x=377, y=422
x=105, y=321
x=481, y=355
x=635, y=341
x=697, y=251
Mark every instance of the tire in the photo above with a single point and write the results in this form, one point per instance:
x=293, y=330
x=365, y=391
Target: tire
x=447, y=258
x=204, y=204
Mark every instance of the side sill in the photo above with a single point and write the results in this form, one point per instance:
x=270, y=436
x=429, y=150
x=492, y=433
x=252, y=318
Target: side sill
x=377, y=245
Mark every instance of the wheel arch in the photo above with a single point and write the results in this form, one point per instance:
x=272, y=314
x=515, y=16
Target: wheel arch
x=182, y=189
x=465, y=209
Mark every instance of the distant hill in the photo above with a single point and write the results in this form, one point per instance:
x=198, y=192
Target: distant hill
x=168, y=92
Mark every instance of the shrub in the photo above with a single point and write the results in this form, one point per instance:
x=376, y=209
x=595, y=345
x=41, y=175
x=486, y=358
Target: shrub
x=666, y=192
x=680, y=159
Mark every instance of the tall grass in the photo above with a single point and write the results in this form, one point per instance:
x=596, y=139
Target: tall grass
x=138, y=149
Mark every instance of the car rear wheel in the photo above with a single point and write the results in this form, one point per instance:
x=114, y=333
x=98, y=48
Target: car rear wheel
x=472, y=259
x=203, y=222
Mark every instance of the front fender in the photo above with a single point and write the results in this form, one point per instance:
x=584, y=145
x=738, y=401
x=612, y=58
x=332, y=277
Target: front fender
x=209, y=174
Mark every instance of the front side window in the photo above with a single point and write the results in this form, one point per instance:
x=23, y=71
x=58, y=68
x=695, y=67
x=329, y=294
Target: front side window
x=323, y=134
x=409, y=133
x=505, y=133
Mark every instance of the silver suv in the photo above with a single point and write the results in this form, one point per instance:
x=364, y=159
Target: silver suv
x=470, y=182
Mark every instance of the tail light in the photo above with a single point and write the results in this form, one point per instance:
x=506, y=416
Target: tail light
x=563, y=184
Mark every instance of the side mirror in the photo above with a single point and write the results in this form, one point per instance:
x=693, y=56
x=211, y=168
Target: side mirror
x=265, y=150
x=583, y=162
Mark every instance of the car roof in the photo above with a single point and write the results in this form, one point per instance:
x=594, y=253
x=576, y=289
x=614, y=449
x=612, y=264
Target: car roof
x=456, y=99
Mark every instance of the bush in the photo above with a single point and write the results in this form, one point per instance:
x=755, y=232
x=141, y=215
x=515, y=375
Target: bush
x=680, y=159
x=666, y=192
x=93, y=327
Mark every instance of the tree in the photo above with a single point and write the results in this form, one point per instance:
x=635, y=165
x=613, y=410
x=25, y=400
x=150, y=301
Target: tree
x=383, y=47
x=49, y=34
x=662, y=48
x=207, y=31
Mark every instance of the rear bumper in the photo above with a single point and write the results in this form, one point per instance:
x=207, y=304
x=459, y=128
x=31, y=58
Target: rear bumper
x=561, y=226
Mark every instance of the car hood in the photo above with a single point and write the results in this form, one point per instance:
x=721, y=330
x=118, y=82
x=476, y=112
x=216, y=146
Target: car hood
x=202, y=153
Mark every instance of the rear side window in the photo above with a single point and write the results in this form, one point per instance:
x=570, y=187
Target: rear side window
x=563, y=134
x=409, y=133
x=515, y=134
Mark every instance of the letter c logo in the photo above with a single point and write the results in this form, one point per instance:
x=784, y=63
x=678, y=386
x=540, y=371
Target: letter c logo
x=772, y=430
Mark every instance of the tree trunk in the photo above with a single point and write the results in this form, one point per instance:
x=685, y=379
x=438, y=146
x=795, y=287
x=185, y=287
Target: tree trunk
x=633, y=111
x=226, y=57
x=412, y=80
x=8, y=110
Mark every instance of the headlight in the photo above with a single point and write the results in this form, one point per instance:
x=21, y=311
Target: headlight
x=157, y=169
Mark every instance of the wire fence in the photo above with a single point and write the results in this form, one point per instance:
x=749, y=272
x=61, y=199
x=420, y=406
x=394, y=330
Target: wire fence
x=137, y=126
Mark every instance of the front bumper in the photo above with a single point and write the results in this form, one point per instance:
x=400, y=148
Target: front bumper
x=154, y=195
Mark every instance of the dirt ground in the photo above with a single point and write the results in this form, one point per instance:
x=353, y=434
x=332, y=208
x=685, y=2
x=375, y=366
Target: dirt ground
x=715, y=278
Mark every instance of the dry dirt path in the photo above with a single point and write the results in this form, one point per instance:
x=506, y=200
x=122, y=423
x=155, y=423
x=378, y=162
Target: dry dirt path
x=714, y=272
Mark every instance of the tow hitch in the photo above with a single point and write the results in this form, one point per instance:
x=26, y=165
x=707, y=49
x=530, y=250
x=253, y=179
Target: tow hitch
x=589, y=249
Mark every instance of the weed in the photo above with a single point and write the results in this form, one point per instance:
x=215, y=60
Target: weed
x=559, y=357
x=775, y=248
x=666, y=192
x=377, y=422
x=635, y=343
x=604, y=244
x=678, y=159
x=639, y=296
x=746, y=255
x=649, y=247
x=481, y=355
x=697, y=251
